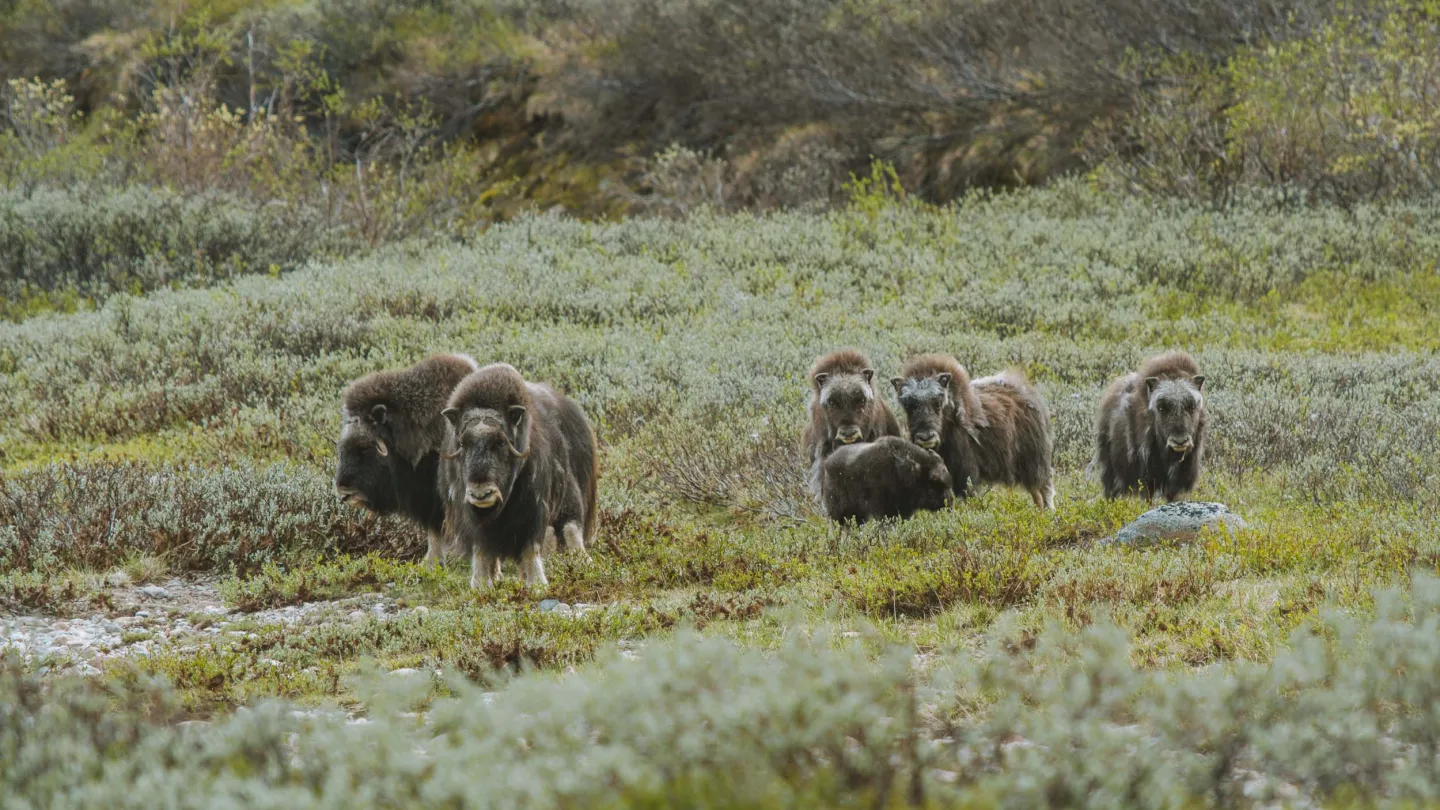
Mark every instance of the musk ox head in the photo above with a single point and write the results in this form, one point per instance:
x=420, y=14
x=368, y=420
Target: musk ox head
x=1176, y=411
x=491, y=447
x=365, y=473
x=843, y=403
x=927, y=402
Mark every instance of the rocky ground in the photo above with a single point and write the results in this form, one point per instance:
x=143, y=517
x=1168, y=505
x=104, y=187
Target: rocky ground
x=177, y=612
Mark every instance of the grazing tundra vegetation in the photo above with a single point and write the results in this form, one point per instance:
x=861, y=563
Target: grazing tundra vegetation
x=188, y=290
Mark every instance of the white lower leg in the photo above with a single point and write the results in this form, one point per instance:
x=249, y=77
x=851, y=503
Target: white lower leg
x=1050, y=496
x=575, y=539
x=434, y=550
x=533, y=568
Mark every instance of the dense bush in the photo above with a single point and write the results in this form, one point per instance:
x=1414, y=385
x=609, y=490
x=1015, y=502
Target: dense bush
x=79, y=245
x=1343, y=114
x=1343, y=716
x=93, y=516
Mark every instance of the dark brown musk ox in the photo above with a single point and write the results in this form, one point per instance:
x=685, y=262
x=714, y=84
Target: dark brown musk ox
x=1150, y=434
x=994, y=430
x=390, y=439
x=889, y=477
x=844, y=408
x=519, y=469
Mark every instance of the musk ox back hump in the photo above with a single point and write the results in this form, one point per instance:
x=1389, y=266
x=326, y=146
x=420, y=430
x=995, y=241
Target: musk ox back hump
x=889, y=477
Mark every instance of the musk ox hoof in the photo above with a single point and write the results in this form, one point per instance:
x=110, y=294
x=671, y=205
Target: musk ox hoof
x=1177, y=522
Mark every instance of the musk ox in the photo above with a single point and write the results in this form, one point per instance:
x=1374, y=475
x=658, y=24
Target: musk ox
x=844, y=408
x=889, y=477
x=995, y=430
x=390, y=439
x=519, y=468
x=1150, y=433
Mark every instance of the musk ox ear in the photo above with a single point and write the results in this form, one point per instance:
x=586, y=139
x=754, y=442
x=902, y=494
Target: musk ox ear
x=899, y=383
x=452, y=415
x=868, y=374
x=820, y=379
x=516, y=415
x=945, y=377
x=1199, y=380
x=379, y=415
x=1150, y=383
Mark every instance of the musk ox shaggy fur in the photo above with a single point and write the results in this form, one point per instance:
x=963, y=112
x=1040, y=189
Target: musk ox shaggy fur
x=844, y=408
x=994, y=430
x=889, y=477
x=1150, y=434
x=520, y=466
x=390, y=439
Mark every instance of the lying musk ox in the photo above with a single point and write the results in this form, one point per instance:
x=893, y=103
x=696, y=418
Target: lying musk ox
x=889, y=477
x=1151, y=430
x=519, y=468
x=844, y=408
x=390, y=439
x=994, y=430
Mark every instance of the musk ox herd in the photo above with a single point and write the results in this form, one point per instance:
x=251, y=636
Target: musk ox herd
x=504, y=468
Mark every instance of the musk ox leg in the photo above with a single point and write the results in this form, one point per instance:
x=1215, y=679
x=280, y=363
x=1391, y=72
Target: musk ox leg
x=435, y=549
x=1044, y=496
x=532, y=567
x=484, y=569
x=575, y=539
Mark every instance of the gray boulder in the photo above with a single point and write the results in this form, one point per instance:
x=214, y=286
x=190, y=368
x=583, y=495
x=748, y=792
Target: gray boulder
x=1177, y=522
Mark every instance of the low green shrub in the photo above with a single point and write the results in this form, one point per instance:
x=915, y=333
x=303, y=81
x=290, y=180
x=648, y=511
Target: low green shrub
x=1342, y=716
x=61, y=249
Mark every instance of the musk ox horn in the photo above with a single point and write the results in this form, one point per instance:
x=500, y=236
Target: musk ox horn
x=518, y=422
x=381, y=448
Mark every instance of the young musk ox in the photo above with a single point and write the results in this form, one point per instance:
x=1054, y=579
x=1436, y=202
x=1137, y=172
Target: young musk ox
x=1151, y=430
x=889, y=477
x=519, y=468
x=390, y=440
x=995, y=430
x=844, y=408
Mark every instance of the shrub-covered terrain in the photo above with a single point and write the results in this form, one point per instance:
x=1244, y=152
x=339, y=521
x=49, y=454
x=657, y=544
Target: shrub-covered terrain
x=215, y=215
x=193, y=429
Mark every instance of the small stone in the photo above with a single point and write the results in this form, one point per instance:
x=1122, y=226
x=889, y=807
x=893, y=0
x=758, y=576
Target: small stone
x=550, y=604
x=155, y=592
x=404, y=672
x=356, y=616
x=142, y=614
x=422, y=610
x=1177, y=522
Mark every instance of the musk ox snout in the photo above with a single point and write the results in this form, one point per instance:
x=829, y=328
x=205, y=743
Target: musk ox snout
x=1181, y=444
x=927, y=438
x=848, y=434
x=483, y=496
x=350, y=495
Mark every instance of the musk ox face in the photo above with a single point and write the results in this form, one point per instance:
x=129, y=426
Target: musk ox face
x=926, y=403
x=491, y=448
x=1176, y=410
x=845, y=401
x=365, y=473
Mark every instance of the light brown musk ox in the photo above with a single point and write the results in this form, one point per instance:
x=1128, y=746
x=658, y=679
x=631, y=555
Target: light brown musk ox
x=1150, y=432
x=994, y=430
x=844, y=408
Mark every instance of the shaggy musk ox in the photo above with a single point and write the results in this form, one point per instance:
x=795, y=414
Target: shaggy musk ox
x=390, y=441
x=889, y=477
x=1151, y=430
x=519, y=465
x=844, y=408
x=994, y=430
